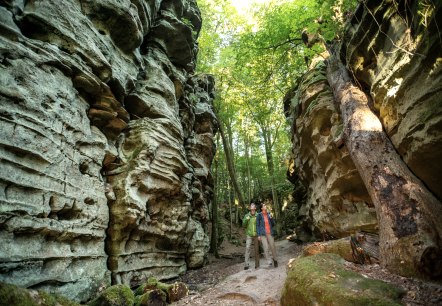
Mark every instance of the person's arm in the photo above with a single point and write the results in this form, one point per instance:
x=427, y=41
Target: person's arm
x=245, y=221
x=258, y=223
x=272, y=221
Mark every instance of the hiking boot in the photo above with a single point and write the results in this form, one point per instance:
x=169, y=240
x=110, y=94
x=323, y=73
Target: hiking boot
x=246, y=267
x=275, y=263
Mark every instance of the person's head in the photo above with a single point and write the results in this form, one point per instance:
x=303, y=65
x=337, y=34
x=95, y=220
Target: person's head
x=252, y=208
x=263, y=207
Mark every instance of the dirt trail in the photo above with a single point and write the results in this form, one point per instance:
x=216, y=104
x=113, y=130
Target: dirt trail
x=260, y=286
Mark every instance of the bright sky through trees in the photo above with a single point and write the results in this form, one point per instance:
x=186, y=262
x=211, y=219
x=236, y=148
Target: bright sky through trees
x=243, y=6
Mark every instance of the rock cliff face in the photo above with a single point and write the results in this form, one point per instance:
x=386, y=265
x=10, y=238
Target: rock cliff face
x=337, y=202
x=399, y=63
x=106, y=143
x=396, y=59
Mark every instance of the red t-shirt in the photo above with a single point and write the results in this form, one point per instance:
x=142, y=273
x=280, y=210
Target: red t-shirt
x=266, y=223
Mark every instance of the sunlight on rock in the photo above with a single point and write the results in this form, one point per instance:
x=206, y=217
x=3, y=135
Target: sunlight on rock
x=394, y=89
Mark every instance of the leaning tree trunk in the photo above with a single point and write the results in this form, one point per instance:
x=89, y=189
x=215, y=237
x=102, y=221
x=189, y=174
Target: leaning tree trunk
x=230, y=167
x=409, y=215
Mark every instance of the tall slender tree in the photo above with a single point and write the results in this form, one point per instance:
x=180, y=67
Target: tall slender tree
x=230, y=165
x=215, y=234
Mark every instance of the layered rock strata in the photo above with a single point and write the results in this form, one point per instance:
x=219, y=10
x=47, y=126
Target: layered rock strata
x=337, y=202
x=394, y=54
x=106, y=143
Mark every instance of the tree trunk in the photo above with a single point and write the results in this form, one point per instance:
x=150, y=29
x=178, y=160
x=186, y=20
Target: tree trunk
x=214, y=236
x=247, y=155
x=229, y=137
x=409, y=215
x=271, y=170
x=230, y=167
x=230, y=214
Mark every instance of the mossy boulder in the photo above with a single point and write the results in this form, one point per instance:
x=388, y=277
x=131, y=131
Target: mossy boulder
x=117, y=295
x=152, y=283
x=155, y=297
x=173, y=292
x=15, y=296
x=177, y=291
x=340, y=247
x=322, y=280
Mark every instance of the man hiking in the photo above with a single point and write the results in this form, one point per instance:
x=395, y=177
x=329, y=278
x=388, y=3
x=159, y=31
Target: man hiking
x=249, y=222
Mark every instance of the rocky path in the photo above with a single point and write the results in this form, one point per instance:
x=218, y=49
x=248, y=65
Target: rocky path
x=260, y=286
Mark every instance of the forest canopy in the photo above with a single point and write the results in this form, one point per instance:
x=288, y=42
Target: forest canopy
x=257, y=50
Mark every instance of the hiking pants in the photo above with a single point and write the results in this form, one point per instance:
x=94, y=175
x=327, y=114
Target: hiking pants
x=268, y=244
x=249, y=241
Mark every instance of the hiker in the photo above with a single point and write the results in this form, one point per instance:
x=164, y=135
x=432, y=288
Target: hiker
x=264, y=228
x=249, y=223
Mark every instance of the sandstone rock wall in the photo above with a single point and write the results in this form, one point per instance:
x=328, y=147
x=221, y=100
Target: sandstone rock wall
x=106, y=143
x=394, y=54
x=337, y=202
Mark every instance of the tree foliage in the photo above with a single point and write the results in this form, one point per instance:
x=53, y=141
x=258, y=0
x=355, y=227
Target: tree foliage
x=256, y=57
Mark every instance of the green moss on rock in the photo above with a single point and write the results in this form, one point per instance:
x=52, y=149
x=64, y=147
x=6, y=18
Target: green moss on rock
x=49, y=299
x=117, y=295
x=151, y=284
x=12, y=295
x=153, y=297
x=173, y=292
x=340, y=247
x=322, y=280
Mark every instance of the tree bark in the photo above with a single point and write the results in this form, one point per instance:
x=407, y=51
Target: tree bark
x=249, y=184
x=271, y=170
x=409, y=215
x=230, y=213
x=214, y=235
x=230, y=167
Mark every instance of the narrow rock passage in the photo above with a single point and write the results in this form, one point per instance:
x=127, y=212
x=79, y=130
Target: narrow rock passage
x=260, y=286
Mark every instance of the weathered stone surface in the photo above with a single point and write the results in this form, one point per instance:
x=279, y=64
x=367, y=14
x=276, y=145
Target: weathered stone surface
x=340, y=247
x=399, y=64
x=200, y=150
x=176, y=30
x=53, y=209
x=152, y=204
x=323, y=280
x=106, y=143
x=337, y=202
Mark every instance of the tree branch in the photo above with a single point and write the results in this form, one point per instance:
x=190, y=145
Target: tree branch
x=288, y=41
